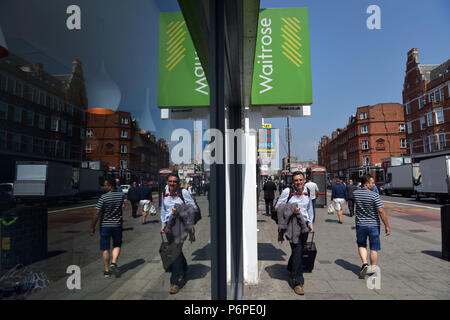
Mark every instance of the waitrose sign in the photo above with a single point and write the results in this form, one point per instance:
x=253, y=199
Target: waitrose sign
x=282, y=67
x=181, y=78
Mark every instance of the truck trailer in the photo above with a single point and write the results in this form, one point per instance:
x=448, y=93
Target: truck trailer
x=401, y=179
x=434, y=181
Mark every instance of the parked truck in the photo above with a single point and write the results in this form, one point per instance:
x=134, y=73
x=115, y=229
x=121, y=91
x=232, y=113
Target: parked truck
x=42, y=180
x=87, y=182
x=434, y=181
x=402, y=179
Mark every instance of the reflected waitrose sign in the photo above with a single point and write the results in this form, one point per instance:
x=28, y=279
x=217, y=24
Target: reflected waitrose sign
x=181, y=79
x=282, y=66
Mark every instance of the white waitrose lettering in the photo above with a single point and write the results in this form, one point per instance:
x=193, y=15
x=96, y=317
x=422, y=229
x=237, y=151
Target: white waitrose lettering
x=266, y=59
x=200, y=73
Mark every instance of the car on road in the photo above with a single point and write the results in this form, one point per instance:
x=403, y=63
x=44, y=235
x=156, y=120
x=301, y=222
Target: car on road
x=125, y=188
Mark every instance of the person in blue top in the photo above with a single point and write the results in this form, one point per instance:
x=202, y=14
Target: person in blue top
x=339, y=197
x=171, y=196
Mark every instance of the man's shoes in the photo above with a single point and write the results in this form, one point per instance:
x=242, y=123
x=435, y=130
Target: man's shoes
x=107, y=274
x=363, y=271
x=114, y=269
x=174, y=289
x=298, y=289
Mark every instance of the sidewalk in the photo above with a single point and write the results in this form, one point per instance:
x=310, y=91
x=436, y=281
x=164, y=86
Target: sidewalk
x=411, y=267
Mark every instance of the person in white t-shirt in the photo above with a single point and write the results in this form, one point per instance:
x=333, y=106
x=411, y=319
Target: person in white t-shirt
x=313, y=188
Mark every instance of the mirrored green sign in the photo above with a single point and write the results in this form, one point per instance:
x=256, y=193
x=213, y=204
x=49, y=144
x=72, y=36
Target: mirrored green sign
x=181, y=79
x=282, y=67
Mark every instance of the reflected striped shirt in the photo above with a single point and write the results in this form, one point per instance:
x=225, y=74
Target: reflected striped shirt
x=110, y=205
x=367, y=204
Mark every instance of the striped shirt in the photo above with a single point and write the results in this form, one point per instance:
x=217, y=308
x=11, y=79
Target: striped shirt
x=110, y=205
x=367, y=204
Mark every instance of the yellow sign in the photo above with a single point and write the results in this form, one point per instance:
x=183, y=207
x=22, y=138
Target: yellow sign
x=267, y=126
x=6, y=244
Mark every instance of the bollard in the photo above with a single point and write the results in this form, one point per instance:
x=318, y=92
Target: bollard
x=445, y=229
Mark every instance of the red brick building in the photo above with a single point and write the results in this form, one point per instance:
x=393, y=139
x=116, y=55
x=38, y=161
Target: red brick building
x=426, y=103
x=374, y=133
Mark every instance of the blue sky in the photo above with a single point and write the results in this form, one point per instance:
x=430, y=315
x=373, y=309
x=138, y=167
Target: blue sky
x=351, y=65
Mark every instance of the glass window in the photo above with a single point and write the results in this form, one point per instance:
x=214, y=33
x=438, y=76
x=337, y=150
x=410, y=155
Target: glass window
x=89, y=133
x=53, y=147
x=17, y=114
x=123, y=148
x=402, y=143
x=363, y=115
x=430, y=97
x=88, y=148
x=123, y=164
x=364, y=129
x=424, y=141
x=69, y=129
x=29, y=118
x=442, y=93
x=41, y=121
x=408, y=108
x=63, y=125
x=365, y=144
x=30, y=93
x=124, y=121
x=410, y=146
x=124, y=134
x=431, y=141
x=437, y=96
x=43, y=98
x=366, y=161
x=441, y=140
x=401, y=127
x=54, y=124
x=11, y=85
x=439, y=116
x=3, y=110
x=423, y=124
x=430, y=119
x=409, y=127
x=421, y=101
x=19, y=89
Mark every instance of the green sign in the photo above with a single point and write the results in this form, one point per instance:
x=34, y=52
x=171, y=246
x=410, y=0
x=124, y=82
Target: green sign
x=282, y=67
x=181, y=79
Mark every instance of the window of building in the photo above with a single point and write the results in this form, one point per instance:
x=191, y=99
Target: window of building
x=442, y=93
x=439, y=116
x=409, y=126
x=19, y=89
x=3, y=110
x=124, y=134
x=63, y=126
x=2, y=139
x=437, y=96
x=43, y=98
x=441, y=140
x=29, y=118
x=408, y=108
x=401, y=127
x=36, y=96
x=123, y=164
x=27, y=144
x=41, y=121
x=365, y=144
x=89, y=133
x=423, y=124
x=411, y=146
x=29, y=93
x=15, y=142
x=403, y=143
x=54, y=124
x=123, y=148
x=11, y=85
x=421, y=101
x=38, y=145
x=69, y=129
x=431, y=143
x=430, y=119
x=17, y=114
x=53, y=149
x=88, y=148
x=364, y=129
x=362, y=116
x=366, y=161
x=3, y=82
x=430, y=97
x=424, y=141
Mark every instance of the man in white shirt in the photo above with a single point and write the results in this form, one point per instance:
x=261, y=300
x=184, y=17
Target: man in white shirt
x=313, y=188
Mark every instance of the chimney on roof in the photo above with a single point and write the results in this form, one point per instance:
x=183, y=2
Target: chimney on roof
x=77, y=67
x=413, y=55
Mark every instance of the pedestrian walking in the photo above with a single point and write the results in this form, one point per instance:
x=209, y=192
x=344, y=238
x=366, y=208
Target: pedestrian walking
x=351, y=200
x=174, y=195
x=109, y=211
x=369, y=210
x=339, y=197
x=373, y=185
x=298, y=195
x=313, y=188
x=134, y=198
x=269, y=194
x=146, y=200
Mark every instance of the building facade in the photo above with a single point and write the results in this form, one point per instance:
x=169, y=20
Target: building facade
x=374, y=133
x=42, y=116
x=426, y=103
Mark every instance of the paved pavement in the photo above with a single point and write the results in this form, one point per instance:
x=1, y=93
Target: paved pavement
x=410, y=263
x=411, y=267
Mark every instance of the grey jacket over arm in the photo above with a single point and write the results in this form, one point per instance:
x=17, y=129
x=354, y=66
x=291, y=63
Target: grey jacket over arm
x=182, y=223
x=290, y=224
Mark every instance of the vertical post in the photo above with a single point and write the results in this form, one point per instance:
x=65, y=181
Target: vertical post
x=289, y=145
x=217, y=98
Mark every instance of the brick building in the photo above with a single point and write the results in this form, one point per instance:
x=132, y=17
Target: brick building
x=426, y=103
x=116, y=139
x=42, y=116
x=374, y=133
